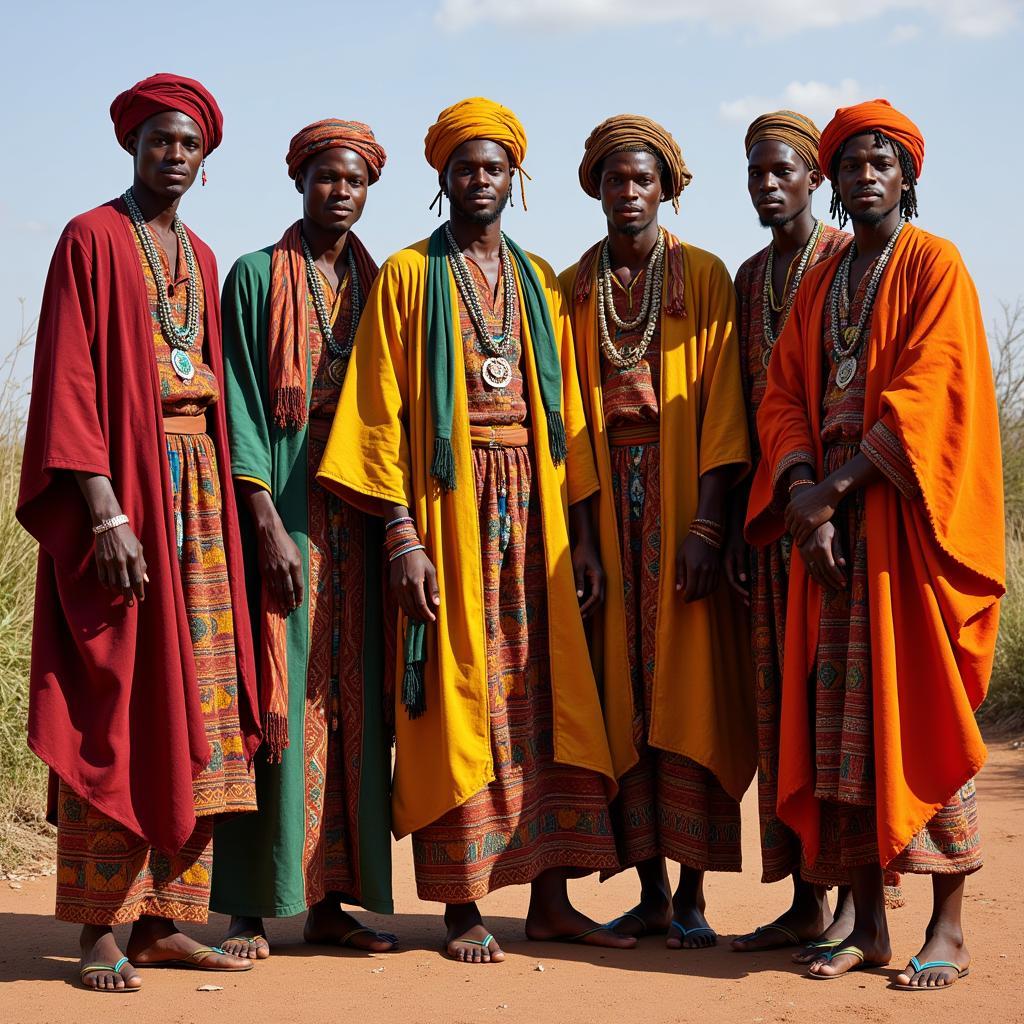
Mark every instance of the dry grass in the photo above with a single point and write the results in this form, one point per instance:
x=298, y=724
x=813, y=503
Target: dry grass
x=26, y=841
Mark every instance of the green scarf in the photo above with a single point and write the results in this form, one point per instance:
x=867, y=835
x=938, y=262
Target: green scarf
x=441, y=360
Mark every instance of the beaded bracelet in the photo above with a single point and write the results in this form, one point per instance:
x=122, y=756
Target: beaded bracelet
x=401, y=539
x=406, y=551
x=396, y=521
x=802, y=482
x=709, y=523
x=110, y=524
x=711, y=541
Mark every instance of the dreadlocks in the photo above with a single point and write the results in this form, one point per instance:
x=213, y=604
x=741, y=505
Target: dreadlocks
x=908, y=197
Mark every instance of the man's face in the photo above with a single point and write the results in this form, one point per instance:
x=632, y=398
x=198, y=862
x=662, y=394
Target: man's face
x=168, y=150
x=870, y=180
x=477, y=179
x=630, y=191
x=333, y=186
x=779, y=182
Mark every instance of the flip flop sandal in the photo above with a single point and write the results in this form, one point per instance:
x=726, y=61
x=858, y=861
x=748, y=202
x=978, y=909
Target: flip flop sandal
x=861, y=965
x=685, y=933
x=253, y=940
x=484, y=943
x=89, y=969
x=196, y=961
x=816, y=947
x=961, y=972
x=590, y=931
x=791, y=936
x=346, y=939
x=645, y=929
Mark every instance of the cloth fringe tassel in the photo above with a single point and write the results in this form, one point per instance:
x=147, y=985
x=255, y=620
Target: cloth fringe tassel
x=290, y=407
x=414, y=690
x=556, y=437
x=275, y=736
x=442, y=468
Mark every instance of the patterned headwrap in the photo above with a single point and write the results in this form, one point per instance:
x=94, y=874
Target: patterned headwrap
x=795, y=130
x=162, y=92
x=332, y=133
x=633, y=131
x=873, y=115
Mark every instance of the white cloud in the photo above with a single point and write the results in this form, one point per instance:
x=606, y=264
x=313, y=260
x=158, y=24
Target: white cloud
x=962, y=17
x=818, y=100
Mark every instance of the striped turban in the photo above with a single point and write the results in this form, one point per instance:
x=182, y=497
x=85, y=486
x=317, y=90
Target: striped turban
x=633, y=132
x=333, y=133
x=864, y=118
x=162, y=92
x=795, y=130
x=476, y=118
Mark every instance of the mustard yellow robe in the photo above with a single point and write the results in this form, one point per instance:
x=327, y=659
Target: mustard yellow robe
x=703, y=693
x=380, y=448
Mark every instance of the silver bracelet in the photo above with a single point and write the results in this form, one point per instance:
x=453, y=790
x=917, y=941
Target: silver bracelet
x=110, y=524
x=407, y=551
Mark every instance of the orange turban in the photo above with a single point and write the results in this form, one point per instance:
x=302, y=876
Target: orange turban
x=871, y=116
x=332, y=133
x=162, y=92
x=795, y=130
x=625, y=131
x=476, y=118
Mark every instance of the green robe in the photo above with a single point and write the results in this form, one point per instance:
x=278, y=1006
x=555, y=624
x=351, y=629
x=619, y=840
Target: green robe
x=258, y=858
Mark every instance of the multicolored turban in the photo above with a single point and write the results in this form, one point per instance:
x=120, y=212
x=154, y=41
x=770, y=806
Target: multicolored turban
x=632, y=131
x=332, y=133
x=795, y=130
x=871, y=116
x=162, y=92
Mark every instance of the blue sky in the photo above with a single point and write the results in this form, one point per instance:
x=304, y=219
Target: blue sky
x=703, y=68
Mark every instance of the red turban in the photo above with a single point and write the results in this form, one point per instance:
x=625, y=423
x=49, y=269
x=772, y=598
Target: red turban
x=871, y=116
x=162, y=92
x=334, y=134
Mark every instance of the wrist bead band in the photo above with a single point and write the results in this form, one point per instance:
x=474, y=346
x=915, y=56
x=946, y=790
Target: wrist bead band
x=110, y=524
x=396, y=521
x=802, y=482
x=401, y=539
x=709, y=523
x=406, y=551
x=710, y=540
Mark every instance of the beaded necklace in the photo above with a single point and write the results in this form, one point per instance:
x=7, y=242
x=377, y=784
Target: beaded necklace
x=628, y=356
x=769, y=335
x=340, y=353
x=848, y=340
x=180, y=339
x=496, y=370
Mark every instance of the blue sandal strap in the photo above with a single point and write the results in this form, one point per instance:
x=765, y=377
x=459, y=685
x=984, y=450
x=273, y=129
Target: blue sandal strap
x=687, y=932
x=919, y=967
x=120, y=963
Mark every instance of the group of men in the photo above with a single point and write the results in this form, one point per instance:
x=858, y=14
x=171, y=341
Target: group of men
x=591, y=548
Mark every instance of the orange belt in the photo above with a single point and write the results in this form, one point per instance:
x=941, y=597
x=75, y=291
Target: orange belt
x=185, y=424
x=320, y=429
x=640, y=433
x=504, y=436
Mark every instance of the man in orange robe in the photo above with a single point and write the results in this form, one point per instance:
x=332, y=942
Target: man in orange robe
x=656, y=348
x=881, y=456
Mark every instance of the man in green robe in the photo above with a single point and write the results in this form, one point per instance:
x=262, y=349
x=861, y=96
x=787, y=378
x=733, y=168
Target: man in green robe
x=313, y=572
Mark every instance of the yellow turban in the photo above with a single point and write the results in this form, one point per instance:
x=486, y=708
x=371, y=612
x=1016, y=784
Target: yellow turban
x=795, y=130
x=476, y=118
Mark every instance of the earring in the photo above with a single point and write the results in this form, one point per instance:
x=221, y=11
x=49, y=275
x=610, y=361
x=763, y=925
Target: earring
x=203, y=166
x=511, y=201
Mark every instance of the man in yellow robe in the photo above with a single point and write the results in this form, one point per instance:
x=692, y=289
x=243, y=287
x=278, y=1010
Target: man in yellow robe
x=653, y=319
x=461, y=423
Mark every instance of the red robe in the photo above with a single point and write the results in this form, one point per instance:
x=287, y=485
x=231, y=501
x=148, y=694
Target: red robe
x=114, y=701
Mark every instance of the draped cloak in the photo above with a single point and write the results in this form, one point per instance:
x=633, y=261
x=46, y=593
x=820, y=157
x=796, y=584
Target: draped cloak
x=703, y=691
x=935, y=561
x=380, y=449
x=114, y=700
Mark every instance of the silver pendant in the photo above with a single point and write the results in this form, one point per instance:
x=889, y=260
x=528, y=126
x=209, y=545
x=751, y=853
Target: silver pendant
x=336, y=370
x=496, y=372
x=766, y=357
x=845, y=372
x=182, y=364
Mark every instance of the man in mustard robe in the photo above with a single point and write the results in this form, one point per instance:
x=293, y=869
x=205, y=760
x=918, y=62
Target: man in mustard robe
x=460, y=422
x=653, y=320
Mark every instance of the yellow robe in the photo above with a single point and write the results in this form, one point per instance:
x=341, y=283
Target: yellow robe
x=380, y=448
x=703, y=693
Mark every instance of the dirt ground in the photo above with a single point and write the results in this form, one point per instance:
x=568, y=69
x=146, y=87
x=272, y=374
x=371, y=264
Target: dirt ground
x=577, y=984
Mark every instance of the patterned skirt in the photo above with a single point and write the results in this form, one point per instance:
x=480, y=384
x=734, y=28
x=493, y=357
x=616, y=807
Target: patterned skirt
x=107, y=875
x=844, y=760
x=536, y=814
x=668, y=806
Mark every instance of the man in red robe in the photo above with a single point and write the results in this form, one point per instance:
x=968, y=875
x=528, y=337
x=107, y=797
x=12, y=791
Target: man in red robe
x=142, y=696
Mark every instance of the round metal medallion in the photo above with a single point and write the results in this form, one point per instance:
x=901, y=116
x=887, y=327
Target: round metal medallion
x=336, y=370
x=846, y=372
x=496, y=372
x=182, y=364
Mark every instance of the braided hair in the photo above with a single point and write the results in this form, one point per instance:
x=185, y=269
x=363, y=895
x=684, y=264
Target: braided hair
x=908, y=195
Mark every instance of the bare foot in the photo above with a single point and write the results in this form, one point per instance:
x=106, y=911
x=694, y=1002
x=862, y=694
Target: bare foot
x=155, y=941
x=567, y=924
x=648, y=917
x=833, y=935
x=245, y=938
x=467, y=940
x=874, y=951
x=328, y=925
x=690, y=929
x=941, y=948
x=99, y=946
